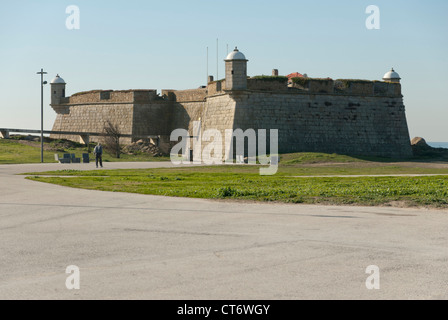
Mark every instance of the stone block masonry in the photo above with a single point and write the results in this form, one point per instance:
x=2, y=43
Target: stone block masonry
x=359, y=119
x=93, y=118
x=132, y=111
x=356, y=125
x=347, y=116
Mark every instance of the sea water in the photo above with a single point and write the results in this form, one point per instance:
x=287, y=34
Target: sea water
x=438, y=144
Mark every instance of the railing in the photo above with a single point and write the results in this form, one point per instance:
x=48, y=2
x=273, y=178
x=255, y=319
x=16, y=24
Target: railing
x=84, y=136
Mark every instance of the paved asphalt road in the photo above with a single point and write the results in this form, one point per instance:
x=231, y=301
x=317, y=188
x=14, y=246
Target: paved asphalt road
x=132, y=246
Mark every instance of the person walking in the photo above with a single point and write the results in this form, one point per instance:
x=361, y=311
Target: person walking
x=98, y=152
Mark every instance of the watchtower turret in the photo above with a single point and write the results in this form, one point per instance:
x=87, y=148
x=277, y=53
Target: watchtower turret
x=392, y=76
x=57, y=89
x=236, y=70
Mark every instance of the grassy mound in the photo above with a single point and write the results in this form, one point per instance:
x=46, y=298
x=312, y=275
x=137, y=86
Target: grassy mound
x=26, y=149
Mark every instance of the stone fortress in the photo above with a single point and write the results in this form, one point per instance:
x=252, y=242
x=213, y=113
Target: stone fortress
x=355, y=117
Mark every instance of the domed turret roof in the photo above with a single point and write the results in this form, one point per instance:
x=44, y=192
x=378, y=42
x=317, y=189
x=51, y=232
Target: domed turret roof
x=391, y=75
x=235, y=55
x=58, y=80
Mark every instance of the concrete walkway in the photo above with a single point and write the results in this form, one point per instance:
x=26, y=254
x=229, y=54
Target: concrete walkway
x=149, y=247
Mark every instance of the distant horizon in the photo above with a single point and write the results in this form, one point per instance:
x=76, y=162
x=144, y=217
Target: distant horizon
x=141, y=44
x=438, y=144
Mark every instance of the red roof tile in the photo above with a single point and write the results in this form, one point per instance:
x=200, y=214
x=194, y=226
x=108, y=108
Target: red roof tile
x=294, y=75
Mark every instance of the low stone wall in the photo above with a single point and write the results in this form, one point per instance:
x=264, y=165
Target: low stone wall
x=387, y=89
x=216, y=87
x=311, y=85
x=185, y=95
x=267, y=84
x=111, y=96
x=348, y=87
x=143, y=96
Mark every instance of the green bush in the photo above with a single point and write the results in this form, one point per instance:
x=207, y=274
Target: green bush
x=301, y=81
x=346, y=83
x=225, y=192
x=271, y=78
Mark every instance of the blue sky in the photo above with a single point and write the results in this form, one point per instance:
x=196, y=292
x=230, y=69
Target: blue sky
x=162, y=45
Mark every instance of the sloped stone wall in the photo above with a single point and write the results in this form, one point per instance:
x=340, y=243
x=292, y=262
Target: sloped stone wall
x=356, y=125
x=371, y=124
x=92, y=118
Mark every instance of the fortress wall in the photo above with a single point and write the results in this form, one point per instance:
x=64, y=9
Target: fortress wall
x=152, y=118
x=219, y=113
x=111, y=96
x=374, y=126
x=101, y=96
x=142, y=96
x=321, y=86
x=349, y=87
x=216, y=87
x=369, y=121
x=185, y=113
x=315, y=85
x=92, y=118
x=365, y=89
x=215, y=113
x=267, y=85
x=386, y=89
x=186, y=95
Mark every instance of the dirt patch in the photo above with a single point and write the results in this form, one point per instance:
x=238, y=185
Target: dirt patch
x=400, y=204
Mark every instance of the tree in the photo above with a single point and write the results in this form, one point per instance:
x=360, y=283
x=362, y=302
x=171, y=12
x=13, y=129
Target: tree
x=112, y=136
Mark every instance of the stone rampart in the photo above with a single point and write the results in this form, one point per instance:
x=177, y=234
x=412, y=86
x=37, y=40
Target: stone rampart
x=192, y=95
x=356, y=125
x=110, y=96
x=321, y=115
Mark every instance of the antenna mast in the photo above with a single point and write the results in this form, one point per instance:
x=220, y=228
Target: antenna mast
x=217, y=77
x=206, y=83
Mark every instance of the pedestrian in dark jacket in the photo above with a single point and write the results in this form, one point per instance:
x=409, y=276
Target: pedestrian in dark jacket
x=98, y=151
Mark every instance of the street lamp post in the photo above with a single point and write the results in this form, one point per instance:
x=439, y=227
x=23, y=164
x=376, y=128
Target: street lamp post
x=42, y=82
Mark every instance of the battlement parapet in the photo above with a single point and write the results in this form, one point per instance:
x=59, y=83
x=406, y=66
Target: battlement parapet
x=111, y=96
x=347, y=87
x=268, y=83
x=216, y=87
x=191, y=95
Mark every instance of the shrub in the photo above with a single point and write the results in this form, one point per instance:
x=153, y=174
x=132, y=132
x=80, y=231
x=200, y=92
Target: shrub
x=301, y=81
x=112, y=136
x=346, y=83
x=271, y=78
x=225, y=192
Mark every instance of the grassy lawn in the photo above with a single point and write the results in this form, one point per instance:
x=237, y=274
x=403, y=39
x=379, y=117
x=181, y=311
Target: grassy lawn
x=312, y=157
x=14, y=152
x=244, y=183
x=283, y=171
